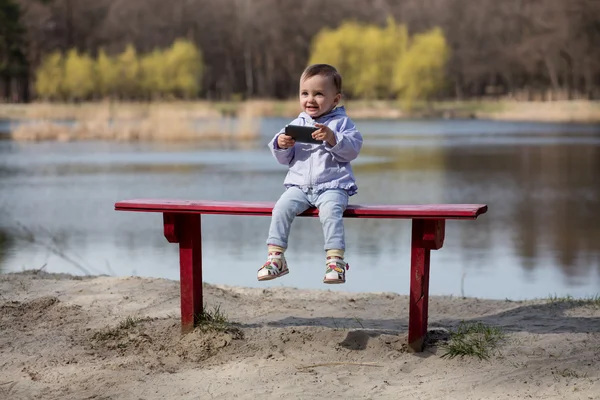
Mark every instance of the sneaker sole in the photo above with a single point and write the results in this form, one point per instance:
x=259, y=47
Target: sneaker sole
x=271, y=277
x=333, y=281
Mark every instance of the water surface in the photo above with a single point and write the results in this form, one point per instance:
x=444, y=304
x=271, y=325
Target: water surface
x=541, y=235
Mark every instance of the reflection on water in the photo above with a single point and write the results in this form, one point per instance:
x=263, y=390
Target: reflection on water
x=540, y=236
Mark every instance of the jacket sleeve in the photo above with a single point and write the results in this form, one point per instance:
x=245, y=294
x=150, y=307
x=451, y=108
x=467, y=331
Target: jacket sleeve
x=283, y=156
x=349, y=141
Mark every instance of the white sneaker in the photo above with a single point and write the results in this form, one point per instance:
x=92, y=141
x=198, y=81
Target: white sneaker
x=275, y=267
x=336, y=270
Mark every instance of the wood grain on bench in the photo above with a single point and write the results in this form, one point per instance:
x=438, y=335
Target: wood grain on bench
x=425, y=211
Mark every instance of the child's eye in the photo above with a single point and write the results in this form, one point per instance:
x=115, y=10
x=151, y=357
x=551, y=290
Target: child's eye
x=304, y=94
x=319, y=94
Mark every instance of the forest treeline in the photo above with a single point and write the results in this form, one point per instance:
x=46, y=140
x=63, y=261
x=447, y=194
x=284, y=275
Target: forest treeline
x=377, y=62
x=529, y=49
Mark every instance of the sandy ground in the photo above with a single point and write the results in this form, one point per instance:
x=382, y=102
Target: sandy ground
x=60, y=339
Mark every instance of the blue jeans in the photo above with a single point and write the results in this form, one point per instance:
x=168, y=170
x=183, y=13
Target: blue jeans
x=331, y=204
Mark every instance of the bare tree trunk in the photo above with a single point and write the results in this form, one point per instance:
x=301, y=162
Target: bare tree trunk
x=248, y=71
x=5, y=86
x=552, y=73
x=69, y=23
x=270, y=73
x=588, y=82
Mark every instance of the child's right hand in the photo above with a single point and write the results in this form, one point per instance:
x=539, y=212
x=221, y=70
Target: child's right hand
x=284, y=141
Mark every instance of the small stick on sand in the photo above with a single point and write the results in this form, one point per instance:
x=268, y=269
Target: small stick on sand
x=329, y=364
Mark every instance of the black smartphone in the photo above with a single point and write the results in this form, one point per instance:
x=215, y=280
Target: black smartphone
x=302, y=134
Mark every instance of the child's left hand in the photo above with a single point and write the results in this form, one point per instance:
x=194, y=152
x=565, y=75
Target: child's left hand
x=324, y=133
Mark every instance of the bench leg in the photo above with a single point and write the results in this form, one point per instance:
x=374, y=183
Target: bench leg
x=185, y=229
x=426, y=235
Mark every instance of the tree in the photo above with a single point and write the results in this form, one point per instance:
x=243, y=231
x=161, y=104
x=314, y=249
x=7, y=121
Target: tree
x=50, y=77
x=381, y=48
x=184, y=68
x=13, y=62
x=129, y=73
x=79, y=79
x=342, y=48
x=107, y=75
x=176, y=71
x=420, y=72
x=154, y=76
x=524, y=49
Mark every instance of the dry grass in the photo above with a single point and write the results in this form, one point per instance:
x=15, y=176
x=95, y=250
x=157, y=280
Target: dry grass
x=203, y=120
x=135, y=122
x=138, y=110
x=555, y=111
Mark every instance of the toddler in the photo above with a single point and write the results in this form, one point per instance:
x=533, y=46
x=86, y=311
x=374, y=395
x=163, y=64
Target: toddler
x=319, y=175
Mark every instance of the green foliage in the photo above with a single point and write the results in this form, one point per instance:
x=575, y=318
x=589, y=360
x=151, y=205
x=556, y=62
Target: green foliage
x=378, y=62
x=155, y=78
x=379, y=48
x=364, y=54
x=174, y=72
x=184, y=66
x=79, y=80
x=128, y=78
x=473, y=339
x=420, y=72
x=335, y=47
x=107, y=74
x=216, y=321
x=50, y=76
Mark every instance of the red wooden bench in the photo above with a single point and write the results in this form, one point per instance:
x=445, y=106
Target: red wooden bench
x=182, y=224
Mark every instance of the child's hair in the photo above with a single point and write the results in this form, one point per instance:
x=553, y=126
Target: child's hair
x=324, y=70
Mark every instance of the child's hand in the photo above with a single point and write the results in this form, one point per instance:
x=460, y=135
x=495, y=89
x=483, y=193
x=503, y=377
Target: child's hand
x=324, y=133
x=285, y=142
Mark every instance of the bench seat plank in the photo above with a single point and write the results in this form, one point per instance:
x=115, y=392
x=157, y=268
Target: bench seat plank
x=425, y=211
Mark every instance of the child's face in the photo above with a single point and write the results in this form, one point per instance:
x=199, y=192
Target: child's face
x=318, y=95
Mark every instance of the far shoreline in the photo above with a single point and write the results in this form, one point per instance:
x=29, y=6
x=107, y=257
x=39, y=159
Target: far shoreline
x=576, y=111
x=191, y=121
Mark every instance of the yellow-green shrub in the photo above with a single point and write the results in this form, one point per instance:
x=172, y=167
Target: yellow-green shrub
x=174, y=72
x=49, y=77
x=184, y=68
x=420, y=72
x=382, y=62
x=128, y=77
x=79, y=80
x=107, y=74
x=154, y=76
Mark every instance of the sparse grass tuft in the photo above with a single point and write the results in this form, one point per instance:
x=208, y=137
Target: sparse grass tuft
x=568, y=299
x=130, y=322
x=212, y=319
x=116, y=332
x=359, y=322
x=569, y=373
x=473, y=339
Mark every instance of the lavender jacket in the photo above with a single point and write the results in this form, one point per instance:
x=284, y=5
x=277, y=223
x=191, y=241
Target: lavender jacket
x=320, y=166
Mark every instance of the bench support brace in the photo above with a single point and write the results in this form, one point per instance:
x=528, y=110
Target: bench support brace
x=427, y=235
x=185, y=229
